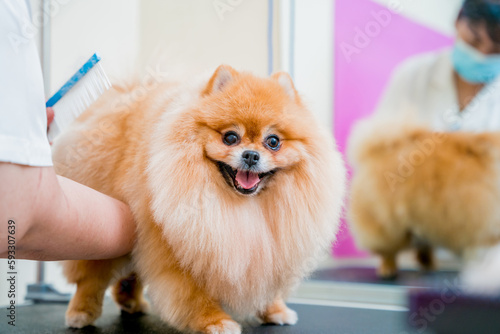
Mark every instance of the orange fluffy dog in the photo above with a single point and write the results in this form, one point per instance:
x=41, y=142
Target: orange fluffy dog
x=235, y=190
x=414, y=187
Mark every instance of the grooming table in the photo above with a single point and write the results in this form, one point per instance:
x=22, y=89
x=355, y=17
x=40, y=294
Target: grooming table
x=465, y=315
x=454, y=312
x=49, y=318
x=436, y=302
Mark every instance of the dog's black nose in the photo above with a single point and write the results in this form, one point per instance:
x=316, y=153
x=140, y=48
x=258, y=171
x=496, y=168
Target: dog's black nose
x=251, y=157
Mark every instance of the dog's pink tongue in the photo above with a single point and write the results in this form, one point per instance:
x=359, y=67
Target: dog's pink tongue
x=246, y=179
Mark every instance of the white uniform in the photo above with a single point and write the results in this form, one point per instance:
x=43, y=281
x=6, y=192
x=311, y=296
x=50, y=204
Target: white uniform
x=23, y=120
x=423, y=88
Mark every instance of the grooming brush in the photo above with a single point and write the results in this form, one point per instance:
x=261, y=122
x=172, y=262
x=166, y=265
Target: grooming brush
x=77, y=94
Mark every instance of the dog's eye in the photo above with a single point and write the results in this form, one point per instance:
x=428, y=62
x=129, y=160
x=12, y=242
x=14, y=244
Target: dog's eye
x=231, y=138
x=273, y=142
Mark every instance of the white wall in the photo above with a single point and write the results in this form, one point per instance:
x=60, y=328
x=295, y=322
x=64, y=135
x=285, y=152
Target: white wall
x=437, y=14
x=80, y=28
x=313, y=49
x=196, y=35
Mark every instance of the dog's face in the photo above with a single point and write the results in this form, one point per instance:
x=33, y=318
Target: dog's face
x=247, y=162
x=251, y=128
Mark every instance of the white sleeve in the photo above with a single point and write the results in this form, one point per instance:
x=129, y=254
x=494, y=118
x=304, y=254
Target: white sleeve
x=23, y=119
x=398, y=98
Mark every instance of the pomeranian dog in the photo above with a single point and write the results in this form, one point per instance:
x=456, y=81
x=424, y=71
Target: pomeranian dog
x=235, y=190
x=414, y=188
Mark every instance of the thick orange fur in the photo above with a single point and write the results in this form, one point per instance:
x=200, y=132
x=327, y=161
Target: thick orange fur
x=414, y=187
x=205, y=250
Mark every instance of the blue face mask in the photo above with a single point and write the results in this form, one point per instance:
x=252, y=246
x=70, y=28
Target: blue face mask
x=473, y=65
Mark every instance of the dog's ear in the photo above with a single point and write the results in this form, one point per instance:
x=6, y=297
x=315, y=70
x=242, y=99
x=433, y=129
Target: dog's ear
x=286, y=82
x=223, y=75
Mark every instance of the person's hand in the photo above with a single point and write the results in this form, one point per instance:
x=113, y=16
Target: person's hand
x=50, y=116
x=57, y=219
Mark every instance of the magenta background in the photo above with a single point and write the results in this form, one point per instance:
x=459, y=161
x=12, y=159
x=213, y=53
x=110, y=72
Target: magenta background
x=360, y=83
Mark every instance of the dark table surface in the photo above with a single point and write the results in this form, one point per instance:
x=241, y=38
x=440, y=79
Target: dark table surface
x=49, y=318
x=465, y=315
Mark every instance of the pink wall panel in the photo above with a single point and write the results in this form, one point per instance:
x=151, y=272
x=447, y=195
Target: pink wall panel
x=370, y=40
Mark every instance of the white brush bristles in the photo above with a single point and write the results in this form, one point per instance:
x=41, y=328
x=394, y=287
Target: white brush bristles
x=85, y=92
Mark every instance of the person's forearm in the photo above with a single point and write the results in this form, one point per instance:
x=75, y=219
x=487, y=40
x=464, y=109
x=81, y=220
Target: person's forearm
x=58, y=219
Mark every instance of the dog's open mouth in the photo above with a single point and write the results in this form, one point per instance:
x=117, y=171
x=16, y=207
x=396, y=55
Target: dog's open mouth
x=244, y=181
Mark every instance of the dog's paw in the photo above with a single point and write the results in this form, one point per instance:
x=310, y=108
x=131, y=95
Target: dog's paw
x=223, y=327
x=285, y=316
x=133, y=306
x=79, y=319
x=387, y=272
x=388, y=268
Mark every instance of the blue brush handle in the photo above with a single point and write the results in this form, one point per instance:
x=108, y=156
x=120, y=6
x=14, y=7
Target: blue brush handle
x=73, y=80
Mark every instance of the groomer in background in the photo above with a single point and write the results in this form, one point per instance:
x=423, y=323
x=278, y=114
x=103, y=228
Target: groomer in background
x=457, y=89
